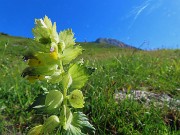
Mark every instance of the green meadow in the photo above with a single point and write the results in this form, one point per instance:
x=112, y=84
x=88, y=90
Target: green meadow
x=117, y=69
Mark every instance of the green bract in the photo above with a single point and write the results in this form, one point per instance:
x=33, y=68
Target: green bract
x=37, y=130
x=67, y=81
x=67, y=37
x=53, y=99
x=79, y=74
x=70, y=53
x=76, y=99
x=45, y=32
x=51, y=61
x=50, y=124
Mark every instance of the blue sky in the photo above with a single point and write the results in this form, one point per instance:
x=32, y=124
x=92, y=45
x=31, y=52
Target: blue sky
x=156, y=23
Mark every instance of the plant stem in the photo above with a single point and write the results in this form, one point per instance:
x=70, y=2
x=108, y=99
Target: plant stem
x=64, y=95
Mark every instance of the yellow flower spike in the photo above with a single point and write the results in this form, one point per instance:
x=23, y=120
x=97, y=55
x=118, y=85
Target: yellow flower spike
x=32, y=79
x=34, y=62
x=54, y=55
x=46, y=62
x=43, y=59
x=54, y=51
x=40, y=70
x=41, y=77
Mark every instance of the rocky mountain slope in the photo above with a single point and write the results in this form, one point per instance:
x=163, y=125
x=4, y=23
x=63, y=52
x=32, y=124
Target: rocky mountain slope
x=114, y=42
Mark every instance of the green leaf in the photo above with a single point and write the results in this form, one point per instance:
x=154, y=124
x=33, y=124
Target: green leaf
x=66, y=81
x=53, y=99
x=56, y=77
x=76, y=99
x=50, y=124
x=79, y=125
x=37, y=130
x=67, y=37
x=73, y=131
x=79, y=74
x=38, y=103
x=70, y=53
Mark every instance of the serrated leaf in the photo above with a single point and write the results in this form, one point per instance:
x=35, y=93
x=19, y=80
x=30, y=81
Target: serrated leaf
x=50, y=124
x=79, y=74
x=73, y=131
x=67, y=37
x=76, y=99
x=70, y=53
x=53, y=99
x=37, y=130
x=80, y=125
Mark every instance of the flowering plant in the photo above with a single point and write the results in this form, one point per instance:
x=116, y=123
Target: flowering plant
x=52, y=62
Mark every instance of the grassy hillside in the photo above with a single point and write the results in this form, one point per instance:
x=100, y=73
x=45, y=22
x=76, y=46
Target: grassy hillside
x=117, y=69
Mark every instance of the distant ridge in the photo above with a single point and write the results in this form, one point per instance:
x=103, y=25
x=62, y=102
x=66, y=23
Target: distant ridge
x=114, y=42
x=107, y=41
x=2, y=33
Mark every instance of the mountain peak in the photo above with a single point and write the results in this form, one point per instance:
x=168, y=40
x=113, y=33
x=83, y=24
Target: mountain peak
x=114, y=42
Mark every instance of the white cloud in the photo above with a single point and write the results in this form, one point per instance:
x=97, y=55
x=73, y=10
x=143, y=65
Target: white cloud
x=138, y=10
x=149, y=6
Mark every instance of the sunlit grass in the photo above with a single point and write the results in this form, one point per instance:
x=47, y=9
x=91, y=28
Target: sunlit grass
x=117, y=69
